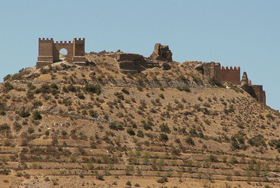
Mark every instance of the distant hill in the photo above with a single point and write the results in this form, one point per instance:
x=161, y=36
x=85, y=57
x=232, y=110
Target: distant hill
x=65, y=125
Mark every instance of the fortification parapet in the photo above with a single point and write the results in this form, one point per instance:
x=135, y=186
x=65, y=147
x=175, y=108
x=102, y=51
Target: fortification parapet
x=230, y=74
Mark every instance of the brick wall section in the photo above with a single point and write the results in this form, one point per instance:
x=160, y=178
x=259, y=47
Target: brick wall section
x=230, y=75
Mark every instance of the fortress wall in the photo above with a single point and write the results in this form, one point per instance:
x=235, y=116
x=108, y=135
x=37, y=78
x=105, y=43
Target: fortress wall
x=45, y=50
x=213, y=71
x=230, y=75
x=260, y=93
x=79, y=47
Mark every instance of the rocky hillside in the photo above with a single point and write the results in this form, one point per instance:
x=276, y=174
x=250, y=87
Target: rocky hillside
x=66, y=125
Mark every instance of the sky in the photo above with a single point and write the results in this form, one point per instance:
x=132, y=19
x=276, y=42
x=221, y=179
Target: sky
x=243, y=33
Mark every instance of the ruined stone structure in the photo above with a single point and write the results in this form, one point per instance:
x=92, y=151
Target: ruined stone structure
x=255, y=91
x=220, y=74
x=49, y=51
x=161, y=52
x=134, y=63
x=245, y=80
x=214, y=71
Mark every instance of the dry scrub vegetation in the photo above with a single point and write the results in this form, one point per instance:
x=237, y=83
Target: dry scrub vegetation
x=83, y=126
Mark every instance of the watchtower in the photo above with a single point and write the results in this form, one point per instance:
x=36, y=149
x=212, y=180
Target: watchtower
x=49, y=51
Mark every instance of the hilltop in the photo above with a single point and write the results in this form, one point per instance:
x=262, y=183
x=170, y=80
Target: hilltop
x=161, y=124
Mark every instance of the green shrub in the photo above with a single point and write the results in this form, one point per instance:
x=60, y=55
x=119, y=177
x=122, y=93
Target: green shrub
x=119, y=95
x=233, y=160
x=5, y=127
x=24, y=113
x=37, y=115
x=163, y=137
x=80, y=95
x=125, y=90
x=128, y=183
x=213, y=158
x=140, y=88
x=116, y=126
x=2, y=112
x=8, y=87
x=140, y=134
x=162, y=180
x=184, y=88
x=257, y=141
x=17, y=127
x=93, y=113
x=45, y=88
x=190, y=141
x=130, y=131
x=54, y=86
x=93, y=88
x=164, y=128
x=71, y=88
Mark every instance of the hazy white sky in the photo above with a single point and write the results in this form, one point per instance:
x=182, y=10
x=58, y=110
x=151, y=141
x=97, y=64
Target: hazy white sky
x=243, y=33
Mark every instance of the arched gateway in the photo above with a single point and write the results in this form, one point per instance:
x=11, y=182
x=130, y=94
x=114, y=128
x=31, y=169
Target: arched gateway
x=49, y=51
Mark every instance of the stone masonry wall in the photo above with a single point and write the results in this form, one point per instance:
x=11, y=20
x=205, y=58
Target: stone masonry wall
x=45, y=50
x=230, y=75
x=260, y=93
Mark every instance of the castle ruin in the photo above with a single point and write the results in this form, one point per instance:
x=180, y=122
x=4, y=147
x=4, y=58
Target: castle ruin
x=49, y=51
x=135, y=63
x=161, y=52
x=220, y=74
x=231, y=75
x=255, y=91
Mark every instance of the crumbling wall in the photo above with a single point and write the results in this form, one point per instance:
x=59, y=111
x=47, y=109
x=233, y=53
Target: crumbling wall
x=134, y=63
x=255, y=91
x=260, y=93
x=161, y=52
x=212, y=70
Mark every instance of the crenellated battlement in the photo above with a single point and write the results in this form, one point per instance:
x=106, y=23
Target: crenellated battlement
x=79, y=40
x=45, y=39
x=230, y=74
x=63, y=42
x=231, y=68
x=49, y=51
